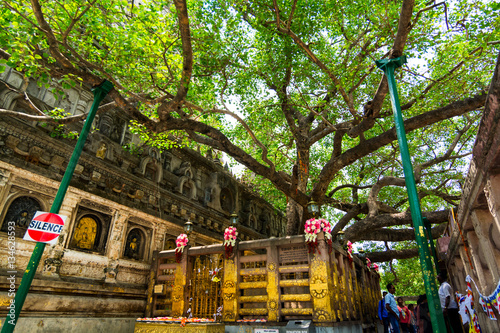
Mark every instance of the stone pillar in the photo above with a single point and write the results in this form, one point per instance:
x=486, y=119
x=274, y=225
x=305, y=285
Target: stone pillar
x=482, y=279
x=84, y=103
x=481, y=221
x=114, y=245
x=465, y=260
x=159, y=238
x=5, y=176
x=492, y=192
x=459, y=276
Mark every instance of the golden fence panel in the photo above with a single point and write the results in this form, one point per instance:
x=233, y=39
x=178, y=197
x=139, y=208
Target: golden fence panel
x=274, y=279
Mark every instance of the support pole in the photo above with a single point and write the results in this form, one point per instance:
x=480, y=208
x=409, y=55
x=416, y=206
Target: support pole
x=99, y=93
x=437, y=319
x=431, y=244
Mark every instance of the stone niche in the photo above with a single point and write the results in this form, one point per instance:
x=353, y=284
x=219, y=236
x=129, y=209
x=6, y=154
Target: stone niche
x=90, y=231
x=137, y=241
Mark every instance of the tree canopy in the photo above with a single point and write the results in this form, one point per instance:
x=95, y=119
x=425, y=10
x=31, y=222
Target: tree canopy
x=287, y=88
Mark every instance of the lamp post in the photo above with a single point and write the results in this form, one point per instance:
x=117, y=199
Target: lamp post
x=362, y=254
x=188, y=227
x=340, y=237
x=233, y=219
x=313, y=208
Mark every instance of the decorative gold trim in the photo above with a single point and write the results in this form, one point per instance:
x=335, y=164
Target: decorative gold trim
x=228, y=315
x=271, y=266
x=175, y=327
x=228, y=296
x=318, y=279
x=272, y=305
x=321, y=315
x=319, y=293
x=229, y=284
x=316, y=263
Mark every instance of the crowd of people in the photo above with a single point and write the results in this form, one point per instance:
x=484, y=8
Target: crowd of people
x=396, y=317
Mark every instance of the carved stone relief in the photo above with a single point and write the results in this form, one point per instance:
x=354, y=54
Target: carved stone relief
x=90, y=231
x=20, y=211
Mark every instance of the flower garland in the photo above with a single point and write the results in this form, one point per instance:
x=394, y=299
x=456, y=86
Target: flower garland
x=181, y=241
x=230, y=235
x=375, y=267
x=348, y=248
x=312, y=228
x=368, y=263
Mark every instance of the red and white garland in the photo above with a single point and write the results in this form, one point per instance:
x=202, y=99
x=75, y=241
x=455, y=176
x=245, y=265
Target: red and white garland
x=181, y=241
x=312, y=228
x=230, y=235
x=348, y=248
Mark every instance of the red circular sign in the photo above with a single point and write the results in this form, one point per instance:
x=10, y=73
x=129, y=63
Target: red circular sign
x=45, y=227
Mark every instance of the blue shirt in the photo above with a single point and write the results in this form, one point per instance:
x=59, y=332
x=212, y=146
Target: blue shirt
x=389, y=299
x=382, y=311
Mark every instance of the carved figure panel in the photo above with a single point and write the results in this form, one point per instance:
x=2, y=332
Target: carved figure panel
x=184, y=170
x=106, y=125
x=169, y=244
x=90, y=230
x=101, y=152
x=226, y=200
x=21, y=211
x=134, y=247
x=151, y=169
x=85, y=233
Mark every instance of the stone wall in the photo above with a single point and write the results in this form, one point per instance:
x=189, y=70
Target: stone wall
x=472, y=241
x=125, y=201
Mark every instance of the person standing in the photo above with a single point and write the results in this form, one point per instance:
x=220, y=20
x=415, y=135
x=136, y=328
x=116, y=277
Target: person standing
x=404, y=316
x=449, y=305
x=423, y=316
x=392, y=307
x=413, y=321
x=382, y=313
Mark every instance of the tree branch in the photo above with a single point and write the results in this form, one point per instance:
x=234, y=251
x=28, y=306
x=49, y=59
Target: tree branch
x=388, y=255
x=187, y=68
x=368, y=146
x=372, y=197
x=364, y=227
x=398, y=235
x=404, y=27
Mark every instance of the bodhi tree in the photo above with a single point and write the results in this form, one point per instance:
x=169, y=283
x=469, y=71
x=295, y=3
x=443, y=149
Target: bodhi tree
x=287, y=88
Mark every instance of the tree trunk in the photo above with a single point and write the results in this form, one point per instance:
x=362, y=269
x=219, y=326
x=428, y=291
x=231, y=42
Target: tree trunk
x=295, y=212
x=294, y=217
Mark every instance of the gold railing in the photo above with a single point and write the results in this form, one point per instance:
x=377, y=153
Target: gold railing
x=274, y=279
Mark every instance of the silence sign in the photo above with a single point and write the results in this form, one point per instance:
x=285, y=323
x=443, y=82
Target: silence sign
x=45, y=227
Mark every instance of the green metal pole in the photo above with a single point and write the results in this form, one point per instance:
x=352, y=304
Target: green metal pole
x=437, y=319
x=10, y=322
x=431, y=244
